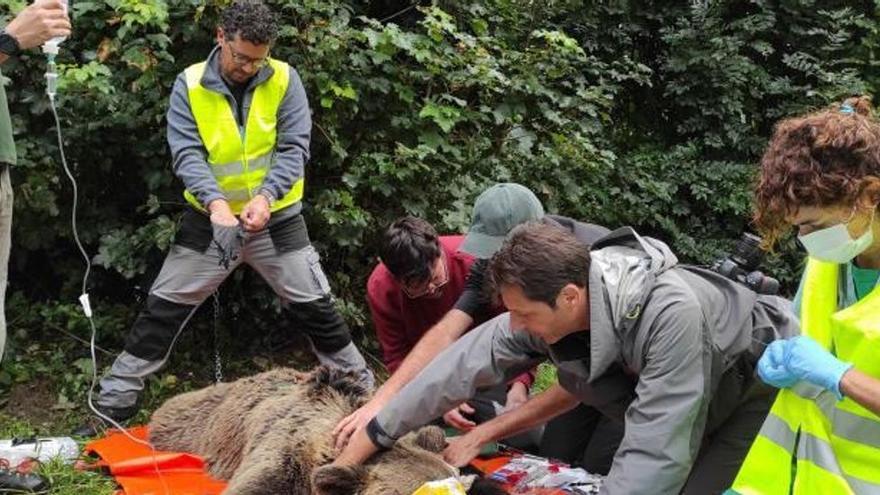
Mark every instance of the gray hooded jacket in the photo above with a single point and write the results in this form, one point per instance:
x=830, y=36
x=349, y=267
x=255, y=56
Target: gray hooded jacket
x=661, y=337
x=189, y=154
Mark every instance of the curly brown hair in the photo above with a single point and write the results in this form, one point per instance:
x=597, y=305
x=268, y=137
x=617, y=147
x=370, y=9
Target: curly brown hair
x=251, y=20
x=824, y=158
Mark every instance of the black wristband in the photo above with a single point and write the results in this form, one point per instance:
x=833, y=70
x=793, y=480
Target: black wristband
x=378, y=436
x=8, y=44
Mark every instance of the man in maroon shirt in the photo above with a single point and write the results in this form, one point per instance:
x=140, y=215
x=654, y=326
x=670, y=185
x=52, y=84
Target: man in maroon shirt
x=421, y=277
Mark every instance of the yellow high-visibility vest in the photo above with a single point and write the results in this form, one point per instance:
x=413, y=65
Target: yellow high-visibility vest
x=811, y=443
x=240, y=159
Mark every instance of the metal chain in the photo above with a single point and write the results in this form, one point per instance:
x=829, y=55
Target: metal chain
x=218, y=364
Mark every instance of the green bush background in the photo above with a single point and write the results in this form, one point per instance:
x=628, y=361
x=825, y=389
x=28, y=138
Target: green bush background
x=644, y=113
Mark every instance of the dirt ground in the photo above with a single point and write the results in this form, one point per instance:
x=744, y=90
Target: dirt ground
x=34, y=401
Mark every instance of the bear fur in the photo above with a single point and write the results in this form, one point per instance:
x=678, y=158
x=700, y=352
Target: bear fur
x=271, y=434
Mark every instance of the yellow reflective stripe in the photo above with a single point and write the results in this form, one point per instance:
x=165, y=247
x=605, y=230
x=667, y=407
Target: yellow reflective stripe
x=779, y=432
x=844, y=423
x=856, y=428
x=238, y=195
x=258, y=164
x=844, y=462
x=261, y=162
x=810, y=391
x=817, y=451
x=225, y=169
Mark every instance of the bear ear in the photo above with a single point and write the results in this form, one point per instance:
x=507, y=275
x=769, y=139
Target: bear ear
x=431, y=438
x=338, y=480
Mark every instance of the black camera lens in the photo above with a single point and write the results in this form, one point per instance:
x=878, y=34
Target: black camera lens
x=748, y=252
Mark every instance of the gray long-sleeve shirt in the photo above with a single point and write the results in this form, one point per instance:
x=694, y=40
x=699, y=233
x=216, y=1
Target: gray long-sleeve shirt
x=661, y=337
x=188, y=152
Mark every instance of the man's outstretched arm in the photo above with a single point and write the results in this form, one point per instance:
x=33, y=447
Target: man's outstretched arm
x=547, y=405
x=435, y=340
x=489, y=355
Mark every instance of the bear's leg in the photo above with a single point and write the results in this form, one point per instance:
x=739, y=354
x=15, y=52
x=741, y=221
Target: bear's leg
x=270, y=469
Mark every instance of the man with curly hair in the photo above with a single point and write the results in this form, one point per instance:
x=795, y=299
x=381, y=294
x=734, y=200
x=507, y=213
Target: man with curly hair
x=238, y=128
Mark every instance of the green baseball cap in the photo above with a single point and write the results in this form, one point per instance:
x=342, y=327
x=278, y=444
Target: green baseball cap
x=496, y=212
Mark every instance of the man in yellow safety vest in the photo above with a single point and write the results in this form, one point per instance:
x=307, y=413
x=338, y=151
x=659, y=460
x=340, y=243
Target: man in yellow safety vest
x=238, y=128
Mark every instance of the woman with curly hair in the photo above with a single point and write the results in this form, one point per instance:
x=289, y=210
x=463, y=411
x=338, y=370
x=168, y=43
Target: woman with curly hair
x=821, y=175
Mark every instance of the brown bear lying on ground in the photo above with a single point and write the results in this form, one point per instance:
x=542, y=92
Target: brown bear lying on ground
x=269, y=434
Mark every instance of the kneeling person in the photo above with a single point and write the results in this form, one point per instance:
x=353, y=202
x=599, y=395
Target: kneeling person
x=669, y=349
x=419, y=279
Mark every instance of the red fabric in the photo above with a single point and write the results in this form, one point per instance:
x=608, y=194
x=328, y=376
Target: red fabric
x=488, y=465
x=140, y=470
x=527, y=378
x=399, y=320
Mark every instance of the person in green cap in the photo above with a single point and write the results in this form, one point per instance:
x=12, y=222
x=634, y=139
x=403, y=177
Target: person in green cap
x=33, y=26
x=496, y=212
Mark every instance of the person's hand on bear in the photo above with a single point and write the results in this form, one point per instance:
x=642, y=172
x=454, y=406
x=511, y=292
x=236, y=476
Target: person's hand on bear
x=461, y=450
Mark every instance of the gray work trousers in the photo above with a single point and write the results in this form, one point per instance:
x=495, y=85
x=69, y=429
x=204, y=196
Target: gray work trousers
x=189, y=276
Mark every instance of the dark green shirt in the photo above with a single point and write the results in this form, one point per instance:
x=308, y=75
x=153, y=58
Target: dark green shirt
x=864, y=280
x=7, y=144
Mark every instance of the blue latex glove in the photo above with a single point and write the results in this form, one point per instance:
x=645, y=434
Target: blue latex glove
x=786, y=362
x=809, y=361
x=771, y=366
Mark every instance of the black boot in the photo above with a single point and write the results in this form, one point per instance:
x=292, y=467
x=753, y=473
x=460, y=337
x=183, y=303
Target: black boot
x=95, y=425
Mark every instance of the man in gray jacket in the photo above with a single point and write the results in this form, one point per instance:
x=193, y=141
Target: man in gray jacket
x=238, y=128
x=496, y=211
x=668, y=349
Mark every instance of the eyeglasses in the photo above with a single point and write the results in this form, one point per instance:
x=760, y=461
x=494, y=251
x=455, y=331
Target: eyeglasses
x=439, y=278
x=241, y=60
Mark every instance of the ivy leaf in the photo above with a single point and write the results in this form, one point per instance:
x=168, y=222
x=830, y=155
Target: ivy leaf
x=444, y=116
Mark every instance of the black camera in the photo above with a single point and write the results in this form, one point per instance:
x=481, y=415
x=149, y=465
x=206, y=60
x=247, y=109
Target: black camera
x=742, y=265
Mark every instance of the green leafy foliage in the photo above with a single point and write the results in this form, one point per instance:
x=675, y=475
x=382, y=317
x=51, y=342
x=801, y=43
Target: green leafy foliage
x=642, y=113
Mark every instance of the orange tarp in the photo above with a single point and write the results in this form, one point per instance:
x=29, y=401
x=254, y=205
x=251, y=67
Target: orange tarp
x=140, y=470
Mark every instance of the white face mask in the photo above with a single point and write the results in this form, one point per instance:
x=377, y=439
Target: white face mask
x=835, y=245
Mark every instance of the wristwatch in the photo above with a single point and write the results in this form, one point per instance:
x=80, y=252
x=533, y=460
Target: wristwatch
x=270, y=198
x=8, y=44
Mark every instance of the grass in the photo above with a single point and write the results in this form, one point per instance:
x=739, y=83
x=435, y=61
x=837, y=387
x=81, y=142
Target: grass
x=64, y=479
